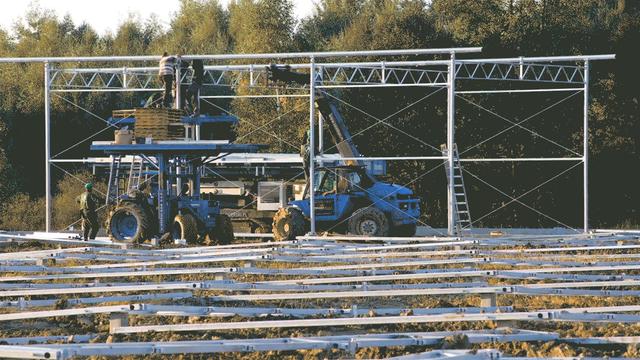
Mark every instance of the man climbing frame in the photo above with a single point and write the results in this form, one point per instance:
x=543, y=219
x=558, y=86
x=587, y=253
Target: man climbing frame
x=88, y=211
x=166, y=72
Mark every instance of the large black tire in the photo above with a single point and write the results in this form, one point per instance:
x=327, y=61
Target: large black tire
x=369, y=221
x=129, y=223
x=406, y=230
x=223, y=232
x=185, y=226
x=288, y=223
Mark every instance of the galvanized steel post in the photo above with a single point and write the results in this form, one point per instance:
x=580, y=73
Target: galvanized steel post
x=451, y=94
x=585, y=149
x=312, y=152
x=177, y=82
x=47, y=146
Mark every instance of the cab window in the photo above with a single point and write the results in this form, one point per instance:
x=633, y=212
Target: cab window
x=325, y=181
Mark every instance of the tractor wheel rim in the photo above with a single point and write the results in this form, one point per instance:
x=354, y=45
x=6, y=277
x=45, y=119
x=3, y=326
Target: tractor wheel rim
x=368, y=227
x=126, y=226
x=286, y=227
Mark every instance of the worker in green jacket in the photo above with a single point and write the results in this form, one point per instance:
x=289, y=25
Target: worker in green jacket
x=88, y=209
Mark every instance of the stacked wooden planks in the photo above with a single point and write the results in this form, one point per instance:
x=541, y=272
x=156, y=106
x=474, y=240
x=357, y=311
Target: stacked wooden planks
x=158, y=124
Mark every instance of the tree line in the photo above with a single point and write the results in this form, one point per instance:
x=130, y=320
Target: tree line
x=504, y=28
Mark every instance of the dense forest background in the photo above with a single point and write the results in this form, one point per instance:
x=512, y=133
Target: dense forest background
x=501, y=27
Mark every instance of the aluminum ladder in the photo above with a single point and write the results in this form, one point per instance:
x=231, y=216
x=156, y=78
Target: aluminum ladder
x=135, y=174
x=461, y=211
x=113, y=187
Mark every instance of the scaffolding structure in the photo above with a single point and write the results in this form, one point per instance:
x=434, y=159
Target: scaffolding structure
x=557, y=74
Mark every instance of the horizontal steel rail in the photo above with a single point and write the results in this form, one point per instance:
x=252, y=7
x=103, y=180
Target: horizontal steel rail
x=22, y=303
x=601, y=314
x=214, y=311
x=378, y=320
x=292, y=55
x=227, y=285
x=349, y=343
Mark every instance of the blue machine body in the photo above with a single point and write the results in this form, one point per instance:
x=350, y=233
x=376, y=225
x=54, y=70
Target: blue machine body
x=165, y=199
x=204, y=210
x=335, y=205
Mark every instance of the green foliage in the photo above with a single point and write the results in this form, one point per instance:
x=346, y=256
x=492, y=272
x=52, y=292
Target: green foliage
x=8, y=184
x=22, y=213
x=387, y=24
x=331, y=19
x=261, y=26
x=199, y=27
x=65, y=207
x=471, y=23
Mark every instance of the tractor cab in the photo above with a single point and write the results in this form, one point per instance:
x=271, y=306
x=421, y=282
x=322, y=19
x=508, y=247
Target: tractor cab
x=338, y=191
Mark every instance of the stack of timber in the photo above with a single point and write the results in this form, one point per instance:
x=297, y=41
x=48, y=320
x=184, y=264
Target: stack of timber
x=158, y=124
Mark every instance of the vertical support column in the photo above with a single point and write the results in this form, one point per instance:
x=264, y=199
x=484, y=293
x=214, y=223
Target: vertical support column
x=320, y=134
x=47, y=147
x=312, y=145
x=162, y=194
x=320, y=127
x=178, y=83
x=585, y=149
x=451, y=109
x=178, y=165
x=195, y=183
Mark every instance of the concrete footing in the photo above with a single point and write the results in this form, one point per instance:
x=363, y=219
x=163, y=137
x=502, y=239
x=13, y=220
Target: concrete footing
x=118, y=320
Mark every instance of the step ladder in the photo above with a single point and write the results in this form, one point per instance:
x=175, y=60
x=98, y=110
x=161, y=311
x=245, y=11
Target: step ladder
x=113, y=186
x=461, y=211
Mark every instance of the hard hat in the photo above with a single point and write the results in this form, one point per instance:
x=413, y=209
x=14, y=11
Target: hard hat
x=88, y=186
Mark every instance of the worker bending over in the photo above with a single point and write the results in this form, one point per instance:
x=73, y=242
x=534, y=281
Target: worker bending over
x=89, y=212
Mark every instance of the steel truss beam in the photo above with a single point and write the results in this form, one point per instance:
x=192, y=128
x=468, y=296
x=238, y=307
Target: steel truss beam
x=521, y=71
x=328, y=75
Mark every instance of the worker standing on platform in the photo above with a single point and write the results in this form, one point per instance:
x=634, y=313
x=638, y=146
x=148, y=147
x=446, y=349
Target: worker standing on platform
x=193, y=93
x=166, y=72
x=89, y=211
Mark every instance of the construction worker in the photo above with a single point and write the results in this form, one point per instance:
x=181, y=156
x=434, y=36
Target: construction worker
x=193, y=92
x=166, y=72
x=88, y=210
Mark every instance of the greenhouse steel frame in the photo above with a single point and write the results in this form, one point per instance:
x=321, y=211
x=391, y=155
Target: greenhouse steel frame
x=557, y=73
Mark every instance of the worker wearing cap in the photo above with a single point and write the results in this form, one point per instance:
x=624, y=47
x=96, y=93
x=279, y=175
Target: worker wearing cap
x=88, y=209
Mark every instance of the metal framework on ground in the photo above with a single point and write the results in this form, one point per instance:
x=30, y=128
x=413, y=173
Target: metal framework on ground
x=556, y=73
x=377, y=284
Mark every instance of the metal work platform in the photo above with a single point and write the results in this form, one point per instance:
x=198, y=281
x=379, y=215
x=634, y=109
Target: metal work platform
x=210, y=148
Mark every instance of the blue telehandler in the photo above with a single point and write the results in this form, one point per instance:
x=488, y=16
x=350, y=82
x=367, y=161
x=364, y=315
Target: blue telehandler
x=347, y=198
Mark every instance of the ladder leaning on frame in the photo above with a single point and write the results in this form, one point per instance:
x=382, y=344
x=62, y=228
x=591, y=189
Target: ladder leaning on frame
x=119, y=186
x=461, y=211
